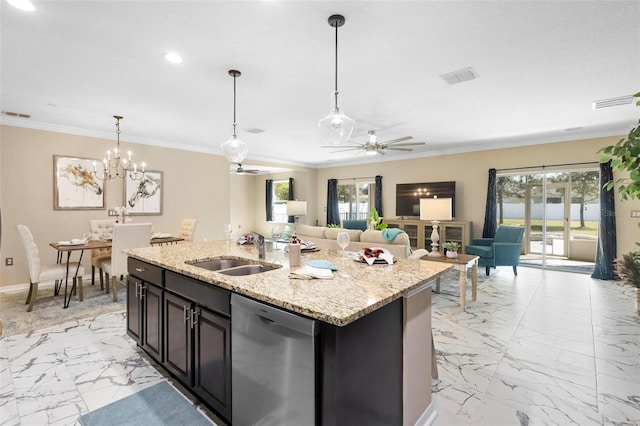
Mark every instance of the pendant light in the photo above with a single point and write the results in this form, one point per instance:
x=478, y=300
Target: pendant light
x=117, y=166
x=336, y=127
x=234, y=149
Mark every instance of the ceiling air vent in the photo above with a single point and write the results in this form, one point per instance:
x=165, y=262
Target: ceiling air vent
x=15, y=114
x=460, y=76
x=611, y=102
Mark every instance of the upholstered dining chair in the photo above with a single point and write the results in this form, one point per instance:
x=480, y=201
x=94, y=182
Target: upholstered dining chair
x=38, y=272
x=100, y=229
x=187, y=228
x=125, y=236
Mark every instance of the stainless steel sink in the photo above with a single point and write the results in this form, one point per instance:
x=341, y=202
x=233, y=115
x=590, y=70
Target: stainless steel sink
x=219, y=263
x=239, y=271
x=233, y=266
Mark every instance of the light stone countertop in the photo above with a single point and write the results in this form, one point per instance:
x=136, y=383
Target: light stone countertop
x=355, y=290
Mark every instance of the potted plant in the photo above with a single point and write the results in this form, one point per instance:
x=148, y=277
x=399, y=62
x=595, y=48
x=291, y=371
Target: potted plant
x=628, y=268
x=375, y=221
x=451, y=249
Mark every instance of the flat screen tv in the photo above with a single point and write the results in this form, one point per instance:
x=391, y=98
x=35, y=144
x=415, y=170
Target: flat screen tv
x=408, y=196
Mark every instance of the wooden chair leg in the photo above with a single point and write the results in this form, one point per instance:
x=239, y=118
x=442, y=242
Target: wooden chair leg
x=29, y=294
x=107, y=287
x=80, y=290
x=114, y=284
x=93, y=275
x=101, y=279
x=33, y=291
x=515, y=270
x=487, y=269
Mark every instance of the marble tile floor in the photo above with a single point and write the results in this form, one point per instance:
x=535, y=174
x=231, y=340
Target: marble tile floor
x=545, y=347
x=542, y=348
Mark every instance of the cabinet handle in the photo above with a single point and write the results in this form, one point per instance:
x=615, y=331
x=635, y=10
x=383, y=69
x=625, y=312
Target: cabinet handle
x=186, y=315
x=141, y=269
x=138, y=290
x=194, y=317
x=143, y=290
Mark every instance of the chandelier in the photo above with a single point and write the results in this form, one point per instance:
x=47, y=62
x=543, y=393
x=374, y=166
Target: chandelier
x=234, y=149
x=117, y=166
x=336, y=127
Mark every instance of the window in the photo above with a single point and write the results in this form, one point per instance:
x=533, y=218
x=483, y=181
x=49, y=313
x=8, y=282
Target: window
x=353, y=200
x=280, y=198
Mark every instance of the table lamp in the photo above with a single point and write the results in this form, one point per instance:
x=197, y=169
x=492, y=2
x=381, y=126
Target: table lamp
x=296, y=208
x=435, y=209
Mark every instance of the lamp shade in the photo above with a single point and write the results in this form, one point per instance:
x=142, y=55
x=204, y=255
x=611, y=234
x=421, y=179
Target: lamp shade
x=296, y=208
x=435, y=209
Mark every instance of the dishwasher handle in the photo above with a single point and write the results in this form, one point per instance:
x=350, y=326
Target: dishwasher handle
x=271, y=314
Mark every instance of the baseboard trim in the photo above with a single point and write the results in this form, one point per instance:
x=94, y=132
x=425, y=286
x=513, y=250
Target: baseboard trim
x=20, y=288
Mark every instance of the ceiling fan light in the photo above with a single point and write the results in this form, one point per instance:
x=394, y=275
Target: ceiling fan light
x=234, y=149
x=371, y=152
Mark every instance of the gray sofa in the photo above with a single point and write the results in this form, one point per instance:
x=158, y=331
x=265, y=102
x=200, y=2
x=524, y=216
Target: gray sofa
x=325, y=238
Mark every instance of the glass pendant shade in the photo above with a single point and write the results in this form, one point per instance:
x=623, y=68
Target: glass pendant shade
x=336, y=127
x=234, y=149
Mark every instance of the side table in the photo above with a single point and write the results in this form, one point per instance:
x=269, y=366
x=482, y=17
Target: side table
x=460, y=263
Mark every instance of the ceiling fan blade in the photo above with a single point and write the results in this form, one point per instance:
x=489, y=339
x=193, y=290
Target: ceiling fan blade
x=410, y=144
x=392, y=141
x=400, y=149
x=348, y=149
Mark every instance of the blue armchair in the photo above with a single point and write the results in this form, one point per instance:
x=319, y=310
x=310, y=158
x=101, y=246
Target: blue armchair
x=501, y=250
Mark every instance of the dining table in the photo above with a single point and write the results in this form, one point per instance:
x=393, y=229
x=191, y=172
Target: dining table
x=69, y=247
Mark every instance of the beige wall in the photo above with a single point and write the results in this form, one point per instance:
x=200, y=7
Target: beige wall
x=470, y=171
x=199, y=185
x=195, y=185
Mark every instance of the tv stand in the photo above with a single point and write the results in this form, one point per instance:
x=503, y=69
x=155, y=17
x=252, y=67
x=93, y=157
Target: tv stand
x=419, y=232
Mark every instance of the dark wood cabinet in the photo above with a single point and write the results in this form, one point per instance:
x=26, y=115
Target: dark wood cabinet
x=212, y=360
x=144, y=307
x=197, y=339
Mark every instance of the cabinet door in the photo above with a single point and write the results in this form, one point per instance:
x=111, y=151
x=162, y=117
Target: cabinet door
x=212, y=381
x=177, y=337
x=134, y=313
x=151, y=338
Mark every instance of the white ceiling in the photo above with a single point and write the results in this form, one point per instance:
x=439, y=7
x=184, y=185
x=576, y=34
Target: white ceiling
x=72, y=65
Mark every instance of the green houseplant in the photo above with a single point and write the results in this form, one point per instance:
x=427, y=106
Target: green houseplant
x=628, y=268
x=451, y=248
x=374, y=220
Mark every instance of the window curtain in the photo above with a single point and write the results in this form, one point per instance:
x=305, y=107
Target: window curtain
x=491, y=208
x=269, y=199
x=291, y=219
x=377, y=202
x=333, y=212
x=606, y=251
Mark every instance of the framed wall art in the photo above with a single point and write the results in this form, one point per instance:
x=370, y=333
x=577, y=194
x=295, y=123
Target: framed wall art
x=144, y=196
x=74, y=185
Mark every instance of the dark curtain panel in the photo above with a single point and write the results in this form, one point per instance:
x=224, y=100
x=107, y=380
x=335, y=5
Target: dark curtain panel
x=269, y=199
x=333, y=213
x=291, y=219
x=490, y=212
x=606, y=252
x=377, y=203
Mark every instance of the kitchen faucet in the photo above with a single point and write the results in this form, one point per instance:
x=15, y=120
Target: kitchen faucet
x=258, y=241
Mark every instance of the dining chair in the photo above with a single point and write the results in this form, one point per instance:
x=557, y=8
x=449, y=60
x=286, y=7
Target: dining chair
x=125, y=236
x=100, y=229
x=39, y=273
x=188, y=228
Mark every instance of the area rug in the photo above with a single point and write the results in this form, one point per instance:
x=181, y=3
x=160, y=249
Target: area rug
x=48, y=311
x=158, y=405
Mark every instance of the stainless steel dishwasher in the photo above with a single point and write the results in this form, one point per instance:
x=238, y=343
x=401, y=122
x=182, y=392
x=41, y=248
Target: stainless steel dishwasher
x=273, y=365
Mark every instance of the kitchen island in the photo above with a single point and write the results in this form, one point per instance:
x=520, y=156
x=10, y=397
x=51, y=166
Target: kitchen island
x=373, y=362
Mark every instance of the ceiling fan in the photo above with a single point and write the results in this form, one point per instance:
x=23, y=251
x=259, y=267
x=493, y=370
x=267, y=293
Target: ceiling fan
x=374, y=147
x=241, y=171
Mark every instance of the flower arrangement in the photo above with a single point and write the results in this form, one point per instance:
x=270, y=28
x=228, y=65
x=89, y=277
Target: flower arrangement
x=451, y=245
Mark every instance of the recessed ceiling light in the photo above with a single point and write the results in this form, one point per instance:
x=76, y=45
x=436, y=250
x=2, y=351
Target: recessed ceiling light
x=25, y=5
x=172, y=57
